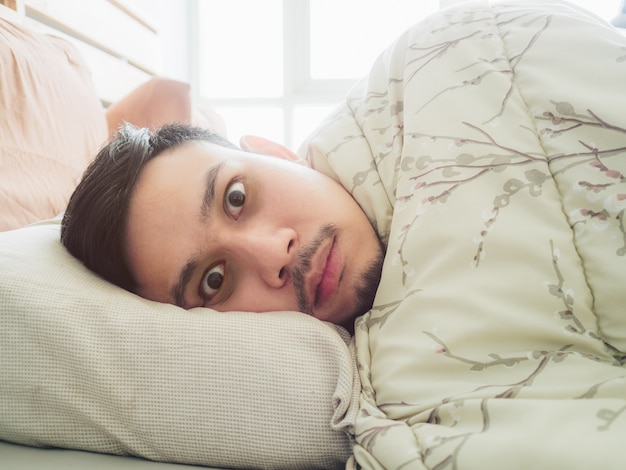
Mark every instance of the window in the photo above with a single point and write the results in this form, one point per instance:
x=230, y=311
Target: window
x=277, y=67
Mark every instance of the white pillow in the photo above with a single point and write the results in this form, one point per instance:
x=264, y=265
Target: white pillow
x=86, y=365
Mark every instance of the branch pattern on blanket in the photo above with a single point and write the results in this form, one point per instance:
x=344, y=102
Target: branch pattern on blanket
x=488, y=145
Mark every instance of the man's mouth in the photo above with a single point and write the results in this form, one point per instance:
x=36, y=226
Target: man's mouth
x=318, y=274
x=325, y=273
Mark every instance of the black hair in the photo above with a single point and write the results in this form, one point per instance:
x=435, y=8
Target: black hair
x=95, y=220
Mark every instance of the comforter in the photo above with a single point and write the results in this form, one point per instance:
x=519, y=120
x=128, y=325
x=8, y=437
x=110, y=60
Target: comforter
x=488, y=145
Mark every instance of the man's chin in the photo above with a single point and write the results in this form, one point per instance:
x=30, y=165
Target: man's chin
x=349, y=326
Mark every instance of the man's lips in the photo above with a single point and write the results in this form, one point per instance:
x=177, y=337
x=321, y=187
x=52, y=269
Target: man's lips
x=325, y=275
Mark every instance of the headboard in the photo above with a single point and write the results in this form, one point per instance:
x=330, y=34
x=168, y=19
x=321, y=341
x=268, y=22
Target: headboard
x=81, y=68
x=119, y=58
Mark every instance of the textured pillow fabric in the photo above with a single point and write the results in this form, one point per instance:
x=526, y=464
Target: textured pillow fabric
x=51, y=124
x=86, y=365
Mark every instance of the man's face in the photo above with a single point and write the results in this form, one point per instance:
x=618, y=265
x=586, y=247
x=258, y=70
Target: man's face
x=235, y=231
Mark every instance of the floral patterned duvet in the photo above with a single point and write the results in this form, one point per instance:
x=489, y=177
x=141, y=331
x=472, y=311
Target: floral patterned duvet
x=488, y=144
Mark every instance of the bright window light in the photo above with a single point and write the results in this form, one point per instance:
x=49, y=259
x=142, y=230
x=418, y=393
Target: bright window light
x=606, y=9
x=277, y=67
x=347, y=36
x=240, y=48
x=265, y=122
x=306, y=119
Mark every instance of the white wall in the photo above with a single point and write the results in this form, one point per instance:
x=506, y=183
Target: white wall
x=171, y=18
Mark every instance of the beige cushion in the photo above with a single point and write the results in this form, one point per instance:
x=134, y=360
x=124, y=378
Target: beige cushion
x=160, y=101
x=86, y=365
x=51, y=124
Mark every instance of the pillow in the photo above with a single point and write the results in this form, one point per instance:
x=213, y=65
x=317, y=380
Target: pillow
x=51, y=124
x=87, y=365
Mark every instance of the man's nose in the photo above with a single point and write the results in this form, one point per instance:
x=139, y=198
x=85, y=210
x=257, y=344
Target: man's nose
x=271, y=253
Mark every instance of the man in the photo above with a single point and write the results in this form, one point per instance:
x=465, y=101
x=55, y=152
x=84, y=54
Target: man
x=182, y=216
x=491, y=155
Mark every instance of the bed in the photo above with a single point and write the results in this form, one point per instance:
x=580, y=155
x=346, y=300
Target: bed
x=487, y=144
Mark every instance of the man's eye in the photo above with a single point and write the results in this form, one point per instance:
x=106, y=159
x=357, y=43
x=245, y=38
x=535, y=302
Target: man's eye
x=235, y=199
x=212, y=281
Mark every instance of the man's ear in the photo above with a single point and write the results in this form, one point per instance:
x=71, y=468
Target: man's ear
x=257, y=144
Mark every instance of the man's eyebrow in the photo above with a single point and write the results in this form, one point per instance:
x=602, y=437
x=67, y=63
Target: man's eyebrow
x=178, y=291
x=208, y=197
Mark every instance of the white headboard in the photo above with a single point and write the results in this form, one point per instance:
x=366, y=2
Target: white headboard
x=117, y=38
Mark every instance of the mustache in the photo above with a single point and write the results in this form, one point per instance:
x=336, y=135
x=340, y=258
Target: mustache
x=305, y=255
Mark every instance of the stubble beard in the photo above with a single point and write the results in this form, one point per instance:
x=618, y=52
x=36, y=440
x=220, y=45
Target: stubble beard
x=364, y=291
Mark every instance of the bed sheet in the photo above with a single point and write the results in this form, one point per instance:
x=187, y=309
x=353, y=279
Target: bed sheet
x=18, y=457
